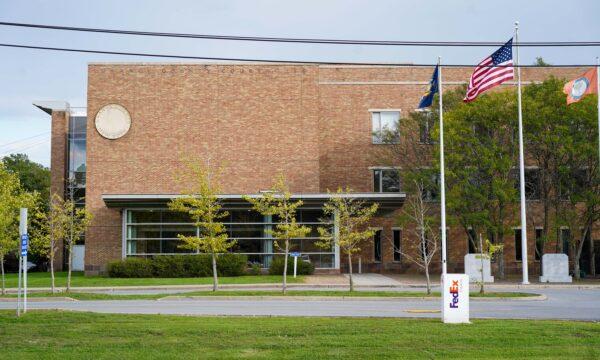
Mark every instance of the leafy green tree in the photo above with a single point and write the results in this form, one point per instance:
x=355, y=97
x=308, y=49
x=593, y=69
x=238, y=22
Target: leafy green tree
x=351, y=217
x=51, y=228
x=32, y=176
x=12, y=198
x=480, y=158
x=277, y=202
x=76, y=225
x=204, y=207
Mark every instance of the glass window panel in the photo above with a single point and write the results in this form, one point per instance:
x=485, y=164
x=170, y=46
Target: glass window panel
x=143, y=231
x=246, y=231
x=245, y=216
x=518, y=254
x=390, y=181
x=77, y=155
x=310, y=245
x=539, y=243
x=175, y=217
x=397, y=235
x=144, y=216
x=376, y=127
x=377, y=180
x=173, y=246
x=171, y=231
x=248, y=246
x=377, y=246
x=77, y=125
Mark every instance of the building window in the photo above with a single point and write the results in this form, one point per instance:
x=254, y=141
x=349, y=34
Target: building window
x=539, y=243
x=431, y=187
x=471, y=241
x=518, y=253
x=155, y=232
x=425, y=128
x=397, y=237
x=386, y=180
x=76, y=165
x=532, y=183
x=565, y=240
x=385, y=127
x=377, y=246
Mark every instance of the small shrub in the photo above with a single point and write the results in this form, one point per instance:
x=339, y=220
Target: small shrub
x=177, y=266
x=304, y=267
x=254, y=269
x=130, y=268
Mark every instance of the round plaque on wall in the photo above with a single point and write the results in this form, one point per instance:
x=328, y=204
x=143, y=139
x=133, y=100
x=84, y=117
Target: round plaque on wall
x=113, y=121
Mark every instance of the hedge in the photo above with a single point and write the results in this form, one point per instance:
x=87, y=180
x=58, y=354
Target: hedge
x=304, y=267
x=177, y=266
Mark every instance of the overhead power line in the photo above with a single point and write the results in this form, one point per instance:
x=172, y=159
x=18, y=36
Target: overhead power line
x=24, y=139
x=283, y=61
x=305, y=40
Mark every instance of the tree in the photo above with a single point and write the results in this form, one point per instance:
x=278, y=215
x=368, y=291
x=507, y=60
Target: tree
x=12, y=198
x=204, y=207
x=76, y=225
x=32, y=176
x=277, y=202
x=486, y=252
x=51, y=227
x=417, y=218
x=480, y=158
x=351, y=216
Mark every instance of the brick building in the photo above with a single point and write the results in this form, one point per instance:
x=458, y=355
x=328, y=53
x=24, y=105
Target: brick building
x=314, y=124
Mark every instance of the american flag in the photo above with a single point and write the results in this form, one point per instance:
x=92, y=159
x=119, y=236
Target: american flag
x=492, y=71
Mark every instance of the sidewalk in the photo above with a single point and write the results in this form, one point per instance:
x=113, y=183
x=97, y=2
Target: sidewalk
x=371, y=281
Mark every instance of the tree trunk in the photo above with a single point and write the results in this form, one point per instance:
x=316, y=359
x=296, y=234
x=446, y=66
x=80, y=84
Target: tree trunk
x=481, y=289
x=214, y=269
x=577, y=256
x=285, y=265
x=3, y=280
x=350, y=272
x=69, y=270
x=52, y=272
x=428, y=280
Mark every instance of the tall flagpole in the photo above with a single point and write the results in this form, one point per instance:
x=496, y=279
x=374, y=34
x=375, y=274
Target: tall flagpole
x=521, y=165
x=598, y=96
x=442, y=176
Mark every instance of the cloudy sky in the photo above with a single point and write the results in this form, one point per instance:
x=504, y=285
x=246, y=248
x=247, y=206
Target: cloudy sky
x=28, y=75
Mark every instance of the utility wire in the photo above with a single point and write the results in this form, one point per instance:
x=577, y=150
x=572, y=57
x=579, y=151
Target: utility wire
x=291, y=62
x=23, y=139
x=304, y=40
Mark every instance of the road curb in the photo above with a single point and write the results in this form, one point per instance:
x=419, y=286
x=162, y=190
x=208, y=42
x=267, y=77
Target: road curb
x=540, y=297
x=40, y=299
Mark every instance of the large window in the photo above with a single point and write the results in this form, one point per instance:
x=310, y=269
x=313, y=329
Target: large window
x=397, y=237
x=75, y=183
x=539, y=243
x=518, y=248
x=532, y=183
x=154, y=232
x=385, y=127
x=565, y=240
x=386, y=180
x=377, y=246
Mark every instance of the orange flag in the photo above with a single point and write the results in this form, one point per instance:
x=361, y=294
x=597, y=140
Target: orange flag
x=580, y=87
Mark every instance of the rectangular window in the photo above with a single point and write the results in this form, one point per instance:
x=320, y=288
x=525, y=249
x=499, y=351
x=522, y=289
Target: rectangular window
x=397, y=234
x=386, y=180
x=385, y=127
x=431, y=187
x=532, y=183
x=518, y=253
x=377, y=246
x=472, y=241
x=539, y=243
x=425, y=129
x=565, y=240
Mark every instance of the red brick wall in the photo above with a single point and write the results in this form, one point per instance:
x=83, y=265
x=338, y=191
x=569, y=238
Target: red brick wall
x=58, y=163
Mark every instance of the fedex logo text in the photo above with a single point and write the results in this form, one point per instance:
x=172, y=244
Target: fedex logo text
x=454, y=292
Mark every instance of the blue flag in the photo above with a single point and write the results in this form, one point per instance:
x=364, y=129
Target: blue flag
x=427, y=98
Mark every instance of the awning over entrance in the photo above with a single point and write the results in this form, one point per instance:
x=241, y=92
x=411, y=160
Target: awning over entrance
x=388, y=201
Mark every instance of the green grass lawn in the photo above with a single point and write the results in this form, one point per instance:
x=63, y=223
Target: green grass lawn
x=42, y=279
x=72, y=335
x=389, y=294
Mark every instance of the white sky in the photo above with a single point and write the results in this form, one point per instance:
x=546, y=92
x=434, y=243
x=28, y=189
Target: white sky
x=28, y=75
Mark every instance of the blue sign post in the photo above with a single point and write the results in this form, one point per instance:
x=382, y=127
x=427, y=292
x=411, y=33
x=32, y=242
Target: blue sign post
x=24, y=244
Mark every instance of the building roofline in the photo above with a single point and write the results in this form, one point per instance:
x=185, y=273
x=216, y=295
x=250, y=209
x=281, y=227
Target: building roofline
x=53, y=105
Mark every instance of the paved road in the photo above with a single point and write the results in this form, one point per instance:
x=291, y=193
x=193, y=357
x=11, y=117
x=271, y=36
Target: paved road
x=561, y=304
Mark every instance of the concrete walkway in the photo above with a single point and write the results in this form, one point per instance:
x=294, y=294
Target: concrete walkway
x=373, y=280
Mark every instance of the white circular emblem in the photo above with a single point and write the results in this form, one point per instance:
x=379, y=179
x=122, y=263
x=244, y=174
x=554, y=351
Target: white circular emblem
x=113, y=121
x=579, y=87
